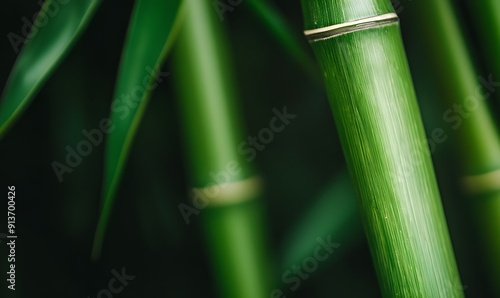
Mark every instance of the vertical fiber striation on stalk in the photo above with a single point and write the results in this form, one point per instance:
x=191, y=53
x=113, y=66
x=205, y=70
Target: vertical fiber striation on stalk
x=374, y=105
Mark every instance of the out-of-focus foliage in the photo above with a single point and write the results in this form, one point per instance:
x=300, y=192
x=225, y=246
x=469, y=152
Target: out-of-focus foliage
x=149, y=237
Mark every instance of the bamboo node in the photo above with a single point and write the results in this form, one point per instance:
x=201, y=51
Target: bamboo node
x=230, y=192
x=476, y=184
x=352, y=26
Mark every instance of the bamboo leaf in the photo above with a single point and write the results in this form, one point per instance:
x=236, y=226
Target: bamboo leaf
x=333, y=214
x=281, y=29
x=150, y=36
x=55, y=30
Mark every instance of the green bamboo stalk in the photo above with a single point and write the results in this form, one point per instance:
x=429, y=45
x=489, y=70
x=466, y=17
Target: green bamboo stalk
x=475, y=131
x=226, y=189
x=486, y=16
x=377, y=116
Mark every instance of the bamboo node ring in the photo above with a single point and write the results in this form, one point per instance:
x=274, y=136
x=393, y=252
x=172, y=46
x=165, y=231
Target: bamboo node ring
x=228, y=193
x=352, y=26
x=483, y=182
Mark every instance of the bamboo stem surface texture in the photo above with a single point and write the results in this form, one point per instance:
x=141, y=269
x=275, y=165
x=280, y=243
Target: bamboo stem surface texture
x=359, y=48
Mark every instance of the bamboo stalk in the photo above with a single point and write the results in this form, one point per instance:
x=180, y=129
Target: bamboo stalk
x=226, y=188
x=486, y=16
x=474, y=127
x=377, y=116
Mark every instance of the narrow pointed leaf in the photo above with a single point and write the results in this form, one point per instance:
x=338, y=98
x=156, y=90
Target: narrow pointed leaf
x=151, y=33
x=55, y=30
x=282, y=31
x=333, y=215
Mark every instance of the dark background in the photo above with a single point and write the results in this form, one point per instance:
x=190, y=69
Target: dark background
x=147, y=235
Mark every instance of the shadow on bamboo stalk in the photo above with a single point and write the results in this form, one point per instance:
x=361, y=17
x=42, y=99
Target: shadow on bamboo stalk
x=227, y=192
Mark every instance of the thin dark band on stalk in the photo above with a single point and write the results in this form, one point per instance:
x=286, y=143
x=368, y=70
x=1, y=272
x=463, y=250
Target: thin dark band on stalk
x=347, y=27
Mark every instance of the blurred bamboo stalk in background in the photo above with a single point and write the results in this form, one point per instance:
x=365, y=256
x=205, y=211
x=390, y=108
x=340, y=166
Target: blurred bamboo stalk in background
x=475, y=131
x=486, y=16
x=227, y=193
x=359, y=48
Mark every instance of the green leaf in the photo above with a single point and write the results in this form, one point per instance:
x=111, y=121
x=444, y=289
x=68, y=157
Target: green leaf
x=334, y=214
x=55, y=30
x=282, y=31
x=150, y=37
